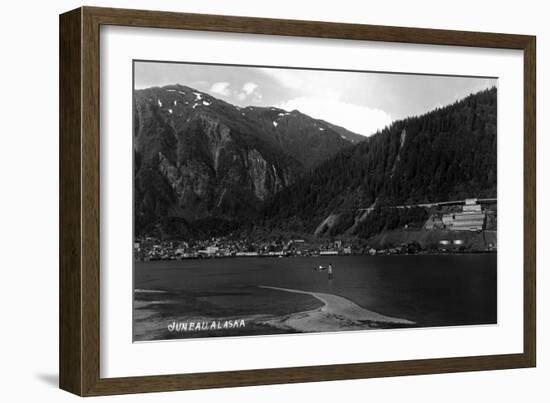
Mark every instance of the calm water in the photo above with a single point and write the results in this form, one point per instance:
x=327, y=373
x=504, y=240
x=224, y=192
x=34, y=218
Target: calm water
x=430, y=290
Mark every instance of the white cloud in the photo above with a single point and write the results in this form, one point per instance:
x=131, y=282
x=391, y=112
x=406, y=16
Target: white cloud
x=249, y=91
x=221, y=88
x=249, y=87
x=359, y=119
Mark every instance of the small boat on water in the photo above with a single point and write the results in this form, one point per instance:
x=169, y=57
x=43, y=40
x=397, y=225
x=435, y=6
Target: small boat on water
x=320, y=268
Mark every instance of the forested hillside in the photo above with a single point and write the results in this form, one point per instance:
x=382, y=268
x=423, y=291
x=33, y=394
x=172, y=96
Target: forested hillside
x=446, y=154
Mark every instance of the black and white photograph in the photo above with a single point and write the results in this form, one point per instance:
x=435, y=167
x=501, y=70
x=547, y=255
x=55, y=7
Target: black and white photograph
x=271, y=200
x=267, y=202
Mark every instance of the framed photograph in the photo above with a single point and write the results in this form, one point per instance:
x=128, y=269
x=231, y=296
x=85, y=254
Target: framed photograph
x=249, y=201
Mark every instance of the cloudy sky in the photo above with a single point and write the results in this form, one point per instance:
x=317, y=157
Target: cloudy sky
x=359, y=101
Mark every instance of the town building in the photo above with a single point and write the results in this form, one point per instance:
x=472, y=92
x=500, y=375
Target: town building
x=471, y=218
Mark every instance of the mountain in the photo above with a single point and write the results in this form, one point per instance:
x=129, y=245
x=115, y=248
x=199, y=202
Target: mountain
x=306, y=139
x=446, y=154
x=201, y=163
x=345, y=133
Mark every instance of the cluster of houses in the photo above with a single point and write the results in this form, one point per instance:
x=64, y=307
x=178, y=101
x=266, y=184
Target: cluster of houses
x=403, y=249
x=150, y=248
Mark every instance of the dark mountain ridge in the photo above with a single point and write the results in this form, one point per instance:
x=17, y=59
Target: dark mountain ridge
x=446, y=154
x=308, y=140
x=199, y=159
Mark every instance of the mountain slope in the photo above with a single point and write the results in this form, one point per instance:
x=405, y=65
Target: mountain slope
x=197, y=158
x=449, y=153
x=306, y=139
x=345, y=133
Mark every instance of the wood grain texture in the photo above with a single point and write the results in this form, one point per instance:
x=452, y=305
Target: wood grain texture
x=70, y=271
x=530, y=202
x=90, y=202
x=80, y=200
x=317, y=29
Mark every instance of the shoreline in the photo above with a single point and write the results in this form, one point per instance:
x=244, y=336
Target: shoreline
x=423, y=253
x=336, y=314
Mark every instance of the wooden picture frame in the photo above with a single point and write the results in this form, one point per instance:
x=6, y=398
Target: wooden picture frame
x=79, y=347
